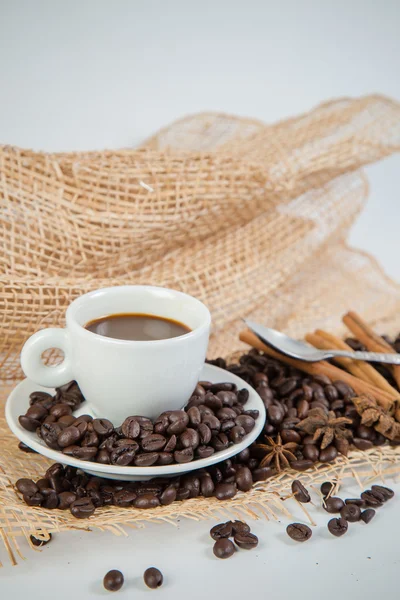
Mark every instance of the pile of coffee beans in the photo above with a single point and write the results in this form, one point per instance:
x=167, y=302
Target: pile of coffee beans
x=351, y=510
x=239, y=531
x=214, y=419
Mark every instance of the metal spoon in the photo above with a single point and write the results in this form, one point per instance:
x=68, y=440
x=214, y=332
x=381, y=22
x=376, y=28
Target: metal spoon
x=302, y=351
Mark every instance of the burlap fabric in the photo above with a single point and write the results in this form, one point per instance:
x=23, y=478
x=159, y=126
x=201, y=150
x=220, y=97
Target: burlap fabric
x=250, y=218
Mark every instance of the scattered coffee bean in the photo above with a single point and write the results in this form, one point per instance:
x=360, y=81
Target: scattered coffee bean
x=367, y=515
x=299, y=532
x=26, y=448
x=300, y=492
x=223, y=548
x=337, y=527
x=371, y=499
x=333, y=504
x=153, y=578
x=222, y=530
x=327, y=488
x=385, y=491
x=351, y=513
x=39, y=542
x=356, y=501
x=246, y=541
x=113, y=580
x=26, y=486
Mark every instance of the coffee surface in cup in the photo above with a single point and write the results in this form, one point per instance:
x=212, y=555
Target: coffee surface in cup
x=137, y=327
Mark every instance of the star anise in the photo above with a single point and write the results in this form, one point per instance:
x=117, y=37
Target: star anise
x=277, y=452
x=373, y=415
x=328, y=427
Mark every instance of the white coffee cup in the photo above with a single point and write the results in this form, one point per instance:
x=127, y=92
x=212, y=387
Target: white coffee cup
x=120, y=378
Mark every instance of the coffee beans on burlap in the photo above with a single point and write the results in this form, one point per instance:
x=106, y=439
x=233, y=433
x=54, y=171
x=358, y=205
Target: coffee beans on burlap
x=214, y=419
x=153, y=578
x=113, y=580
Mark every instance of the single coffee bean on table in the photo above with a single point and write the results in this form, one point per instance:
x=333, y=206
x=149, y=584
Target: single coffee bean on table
x=39, y=542
x=333, y=504
x=367, y=515
x=153, y=578
x=386, y=492
x=222, y=530
x=299, y=532
x=338, y=527
x=351, y=513
x=113, y=580
x=246, y=541
x=300, y=492
x=223, y=548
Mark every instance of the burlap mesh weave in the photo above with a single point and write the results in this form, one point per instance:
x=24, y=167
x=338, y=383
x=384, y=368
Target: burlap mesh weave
x=250, y=218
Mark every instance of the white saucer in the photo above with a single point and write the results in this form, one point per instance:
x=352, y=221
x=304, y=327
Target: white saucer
x=18, y=403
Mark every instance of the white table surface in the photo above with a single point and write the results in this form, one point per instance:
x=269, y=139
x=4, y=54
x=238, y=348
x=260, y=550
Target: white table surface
x=95, y=74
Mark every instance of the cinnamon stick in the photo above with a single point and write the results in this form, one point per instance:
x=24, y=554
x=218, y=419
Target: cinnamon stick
x=368, y=373
x=321, y=368
x=350, y=365
x=370, y=339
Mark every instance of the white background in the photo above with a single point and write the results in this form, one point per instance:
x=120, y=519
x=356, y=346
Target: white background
x=96, y=74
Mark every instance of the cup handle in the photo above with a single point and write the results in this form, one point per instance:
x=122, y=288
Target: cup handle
x=32, y=363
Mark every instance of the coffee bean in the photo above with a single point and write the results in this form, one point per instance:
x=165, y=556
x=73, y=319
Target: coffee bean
x=39, y=542
x=246, y=541
x=68, y=436
x=204, y=451
x=299, y=532
x=183, y=456
x=194, y=416
x=50, y=433
x=34, y=499
x=26, y=486
x=387, y=492
x=224, y=491
x=124, y=497
x=262, y=473
x=86, y=453
x=300, y=492
x=50, y=500
x=223, y=548
x=66, y=420
x=59, y=410
x=243, y=456
x=361, y=444
x=153, y=578
x=378, y=495
x=131, y=428
x=212, y=422
x=204, y=433
x=41, y=397
x=179, y=420
x=289, y=435
x=65, y=499
x=370, y=499
x=301, y=465
x=337, y=527
x=355, y=501
x=310, y=452
x=103, y=457
x=327, y=488
x=82, y=508
x=226, y=414
x=239, y=527
x=213, y=402
x=219, y=442
x=244, y=479
x=153, y=442
x=103, y=427
x=246, y=422
x=168, y=496
x=275, y=414
x=37, y=412
x=28, y=423
x=222, y=387
x=189, y=438
x=26, y=448
x=243, y=396
x=228, y=398
x=222, y=530
x=237, y=434
x=199, y=390
x=43, y=484
x=328, y=454
x=113, y=580
x=344, y=389
x=206, y=485
x=333, y=504
x=145, y=459
x=146, y=501
x=367, y=515
x=351, y=512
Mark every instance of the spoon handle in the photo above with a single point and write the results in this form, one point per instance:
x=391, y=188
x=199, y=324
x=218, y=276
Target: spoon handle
x=390, y=358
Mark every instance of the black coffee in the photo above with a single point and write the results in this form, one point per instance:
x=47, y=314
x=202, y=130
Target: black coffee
x=137, y=326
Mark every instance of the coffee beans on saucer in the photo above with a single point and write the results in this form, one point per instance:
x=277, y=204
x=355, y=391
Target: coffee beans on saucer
x=214, y=419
